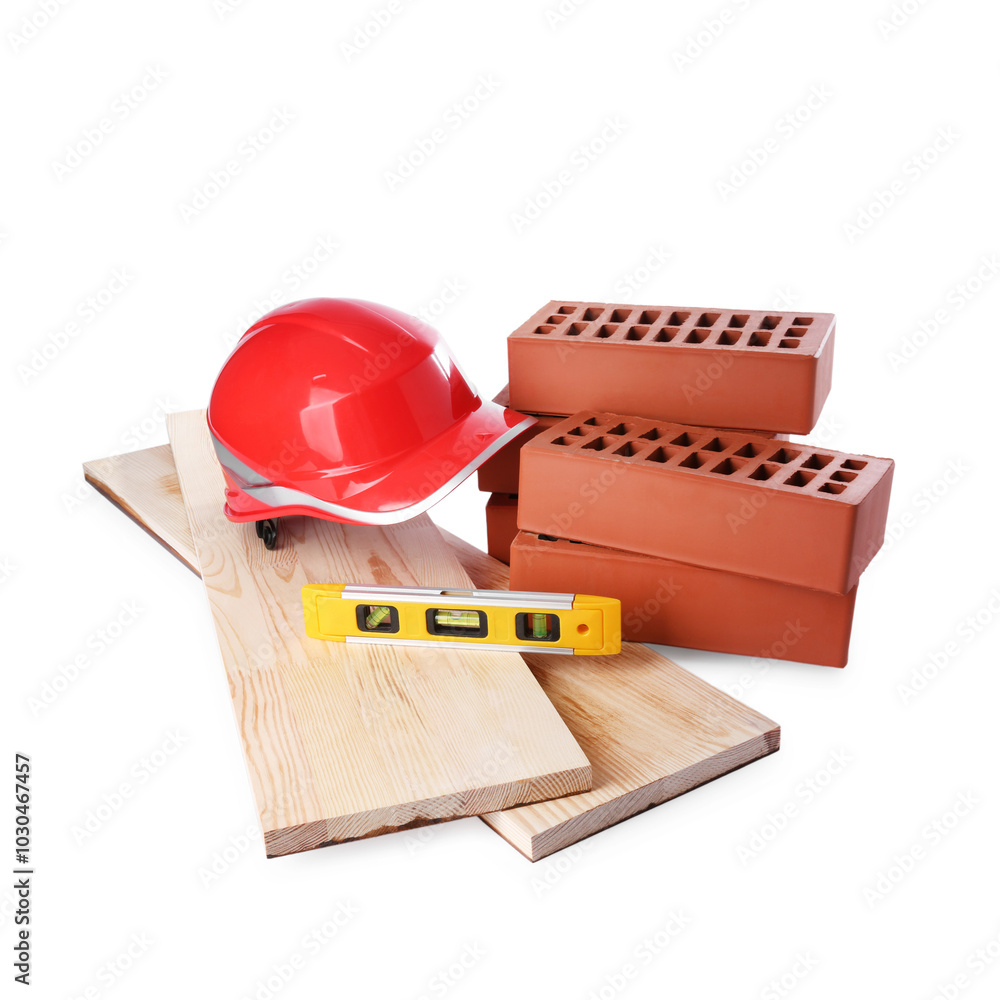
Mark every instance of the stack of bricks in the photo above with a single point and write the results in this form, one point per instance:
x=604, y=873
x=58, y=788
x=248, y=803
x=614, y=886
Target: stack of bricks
x=634, y=483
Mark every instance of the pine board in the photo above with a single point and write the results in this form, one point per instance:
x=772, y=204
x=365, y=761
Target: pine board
x=650, y=729
x=348, y=741
x=144, y=485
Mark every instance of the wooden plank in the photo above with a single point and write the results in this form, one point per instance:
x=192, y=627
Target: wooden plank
x=344, y=742
x=651, y=729
x=144, y=485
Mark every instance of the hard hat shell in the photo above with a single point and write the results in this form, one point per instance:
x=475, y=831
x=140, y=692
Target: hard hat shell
x=349, y=411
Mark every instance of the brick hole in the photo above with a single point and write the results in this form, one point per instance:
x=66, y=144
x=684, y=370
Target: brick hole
x=693, y=461
x=606, y=331
x=853, y=463
x=591, y=422
x=652, y=434
x=598, y=444
x=800, y=478
x=576, y=432
x=789, y=344
x=697, y=336
x=678, y=318
x=816, y=461
x=636, y=332
x=844, y=477
x=832, y=488
x=759, y=339
x=728, y=466
x=708, y=319
x=650, y=316
x=738, y=320
x=575, y=329
x=543, y=329
x=619, y=429
x=592, y=313
x=567, y=310
x=683, y=440
x=802, y=321
x=784, y=455
x=764, y=471
x=660, y=455
x=560, y=441
x=729, y=337
x=665, y=335
x=770, y=323
x=627, y=450
x=620, y=315
x=556, y=319
x=749, y=451
x=714, y=445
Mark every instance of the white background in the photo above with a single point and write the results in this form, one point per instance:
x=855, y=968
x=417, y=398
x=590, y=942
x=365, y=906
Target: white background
x=643, y=218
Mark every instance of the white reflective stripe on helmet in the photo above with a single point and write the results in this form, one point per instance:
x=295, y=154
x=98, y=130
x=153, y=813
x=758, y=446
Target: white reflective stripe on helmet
x=240, y=471
x=264, y=491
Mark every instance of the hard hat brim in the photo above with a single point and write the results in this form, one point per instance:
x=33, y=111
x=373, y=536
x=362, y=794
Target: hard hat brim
x=410, y=488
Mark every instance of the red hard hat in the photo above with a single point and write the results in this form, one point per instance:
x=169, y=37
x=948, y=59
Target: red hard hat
x=349, y=411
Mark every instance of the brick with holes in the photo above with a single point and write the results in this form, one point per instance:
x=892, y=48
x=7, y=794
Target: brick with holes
x=680, y=604
x=692, y=365
x=500, y=472
x=721, y=499
x=501, y=525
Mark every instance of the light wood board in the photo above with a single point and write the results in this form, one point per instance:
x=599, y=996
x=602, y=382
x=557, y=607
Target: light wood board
x=144, y=485
x=650, y=729
x=349, y=741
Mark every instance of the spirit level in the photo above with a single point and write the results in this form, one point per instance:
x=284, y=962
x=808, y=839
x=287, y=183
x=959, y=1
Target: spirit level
x=489, y=619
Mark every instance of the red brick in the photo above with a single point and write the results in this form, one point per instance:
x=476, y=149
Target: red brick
x=501, y=525
x=683, y=605
x=693, y=365
x=500, y=472
x=721, y=499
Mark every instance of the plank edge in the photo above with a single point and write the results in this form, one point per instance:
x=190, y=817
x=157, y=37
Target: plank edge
x=583, y=826
x=122, y=504
x=325, y=832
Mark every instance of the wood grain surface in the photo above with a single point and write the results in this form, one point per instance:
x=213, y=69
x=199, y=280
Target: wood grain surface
x=144, y=485
x=349, y=741
x=651, y=729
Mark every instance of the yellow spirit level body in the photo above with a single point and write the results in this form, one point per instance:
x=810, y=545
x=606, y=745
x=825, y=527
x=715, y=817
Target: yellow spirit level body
x=488, y=619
